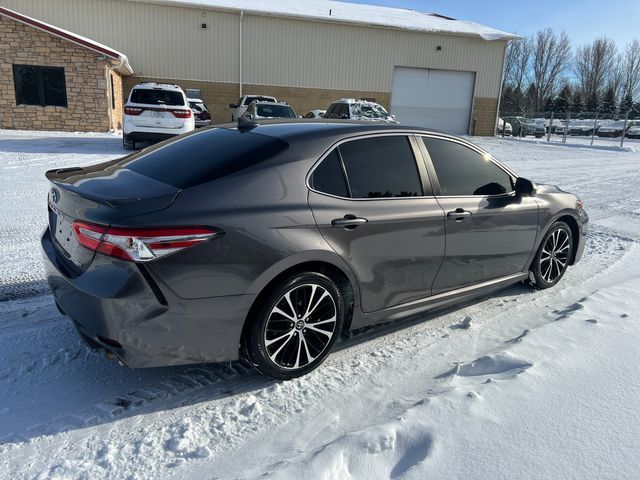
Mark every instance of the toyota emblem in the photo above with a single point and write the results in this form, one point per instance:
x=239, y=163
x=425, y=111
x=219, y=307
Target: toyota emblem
x=55, y=195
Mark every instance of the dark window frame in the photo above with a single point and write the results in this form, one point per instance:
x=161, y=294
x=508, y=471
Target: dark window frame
x=39, y=70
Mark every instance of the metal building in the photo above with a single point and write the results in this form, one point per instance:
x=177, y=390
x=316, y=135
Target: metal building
x=429, y=70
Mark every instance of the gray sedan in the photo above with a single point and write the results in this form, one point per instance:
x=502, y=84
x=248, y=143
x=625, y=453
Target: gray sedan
x=269, y=241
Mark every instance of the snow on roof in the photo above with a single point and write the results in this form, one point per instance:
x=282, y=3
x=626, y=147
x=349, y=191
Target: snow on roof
x=330, y=10
x=109, y=52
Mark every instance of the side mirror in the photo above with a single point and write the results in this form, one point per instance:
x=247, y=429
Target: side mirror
x=233, y=105
x=524, y=187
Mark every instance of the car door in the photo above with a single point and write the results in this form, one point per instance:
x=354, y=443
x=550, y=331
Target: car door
x=374, y=205
x=490, y=231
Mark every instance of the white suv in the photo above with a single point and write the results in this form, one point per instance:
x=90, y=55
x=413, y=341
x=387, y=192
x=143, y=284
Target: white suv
x=238, y=109
x=155, y=111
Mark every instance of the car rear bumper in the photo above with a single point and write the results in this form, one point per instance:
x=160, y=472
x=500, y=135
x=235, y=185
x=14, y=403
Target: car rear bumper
x=120, y=307
x=149, y=136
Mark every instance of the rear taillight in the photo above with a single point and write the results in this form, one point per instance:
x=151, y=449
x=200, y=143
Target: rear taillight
x=205, y=116
x=181, y=113
x=140, y=244
x=133, y=110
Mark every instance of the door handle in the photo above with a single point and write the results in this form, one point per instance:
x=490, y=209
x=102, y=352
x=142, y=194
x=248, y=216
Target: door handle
x=348, y=222
x=459, y=214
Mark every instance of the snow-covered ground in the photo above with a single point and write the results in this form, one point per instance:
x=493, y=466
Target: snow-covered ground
x=542, y=384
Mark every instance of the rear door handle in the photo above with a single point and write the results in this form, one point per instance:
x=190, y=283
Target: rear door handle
x=348, y=222
x=459, y=214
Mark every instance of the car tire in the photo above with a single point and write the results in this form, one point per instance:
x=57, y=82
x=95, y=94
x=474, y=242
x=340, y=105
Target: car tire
x=128, y=143
x=296, y=325
x=553, y=256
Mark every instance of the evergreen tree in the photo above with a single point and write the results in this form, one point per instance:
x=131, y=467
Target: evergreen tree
x=634, y=113
x=609, y=101
x=548, y=105
x=563, y=100
x=530, y=100
x=627, y=104
x=577, y=105
x=593, y=103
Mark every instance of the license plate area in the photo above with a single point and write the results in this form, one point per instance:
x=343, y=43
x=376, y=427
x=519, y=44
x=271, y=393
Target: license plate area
x=65, y=240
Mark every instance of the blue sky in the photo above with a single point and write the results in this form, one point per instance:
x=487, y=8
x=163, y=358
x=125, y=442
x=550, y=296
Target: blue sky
x=583, y=20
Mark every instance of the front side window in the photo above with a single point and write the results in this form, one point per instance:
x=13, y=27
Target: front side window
x=463, y=171
x=381, y=167
x=44, y=86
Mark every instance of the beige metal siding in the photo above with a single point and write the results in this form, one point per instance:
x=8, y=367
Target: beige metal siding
x=167, y=42
x=160, y=41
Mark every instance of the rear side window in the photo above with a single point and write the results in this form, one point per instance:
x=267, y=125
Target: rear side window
x=328, y=176
x=204, y=156
x=463, y=171
x=381, y=167
x=157, y=97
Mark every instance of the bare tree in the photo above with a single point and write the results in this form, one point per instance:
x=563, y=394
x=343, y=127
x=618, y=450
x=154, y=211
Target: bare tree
x=594, y=65
x=550, y=59
x=630, y=69
x=516, y=63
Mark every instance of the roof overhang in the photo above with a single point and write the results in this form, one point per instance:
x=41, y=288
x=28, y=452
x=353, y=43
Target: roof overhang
x=362, y=15
x=119, y=60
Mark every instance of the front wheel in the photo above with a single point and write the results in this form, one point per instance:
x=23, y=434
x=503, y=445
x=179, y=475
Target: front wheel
x=554, y=254
x=296, y=326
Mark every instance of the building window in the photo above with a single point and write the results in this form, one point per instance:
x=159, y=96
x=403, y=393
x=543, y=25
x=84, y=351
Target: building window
x=44, y=86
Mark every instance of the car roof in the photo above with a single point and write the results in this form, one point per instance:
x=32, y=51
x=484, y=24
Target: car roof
x=157, y=86
x=290, y=129
x=196, y=100
x=282, y=104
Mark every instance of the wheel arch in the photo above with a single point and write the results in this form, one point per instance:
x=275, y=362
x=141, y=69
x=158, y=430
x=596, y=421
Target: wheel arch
x=340, y=274
x=568, y=217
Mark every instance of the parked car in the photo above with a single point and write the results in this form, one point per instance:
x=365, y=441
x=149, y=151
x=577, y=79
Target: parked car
x=200, y=112
x=288, y=236
x=615, y=129
x=582, y=127
x=315, y=114
x=507, y=127
x=155, y=111
x=556, y=126
x=351, y=109
x=238, y=109
x=633, y=132
x=522, y=126
x=263, y=110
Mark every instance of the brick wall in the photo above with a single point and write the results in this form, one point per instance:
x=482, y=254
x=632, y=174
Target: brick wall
x=218, y=96
x=85, y=76
x=485, y=111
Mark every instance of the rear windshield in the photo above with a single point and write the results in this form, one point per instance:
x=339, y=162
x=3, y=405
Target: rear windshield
x=156, y=97
x=275, y=111
x=203, y=156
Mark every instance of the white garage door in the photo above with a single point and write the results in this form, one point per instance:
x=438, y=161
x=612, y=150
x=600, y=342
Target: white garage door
x=439, y=99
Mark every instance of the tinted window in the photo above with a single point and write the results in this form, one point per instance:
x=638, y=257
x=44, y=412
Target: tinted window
x=462, y=171
x=204, y=156
x=275, y=111
x=381, y=167
x=40, y=85
x=328, y=176
x=157, y=97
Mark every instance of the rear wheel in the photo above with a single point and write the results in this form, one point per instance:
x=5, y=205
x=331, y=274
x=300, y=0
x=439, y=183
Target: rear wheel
x=128, y=143
x=552, y=259
x=296, y=326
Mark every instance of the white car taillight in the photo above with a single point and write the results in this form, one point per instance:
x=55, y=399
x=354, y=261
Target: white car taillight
x=140, y=244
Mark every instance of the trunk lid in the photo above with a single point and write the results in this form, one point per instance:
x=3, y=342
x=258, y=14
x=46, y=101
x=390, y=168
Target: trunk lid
x=101, y=194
